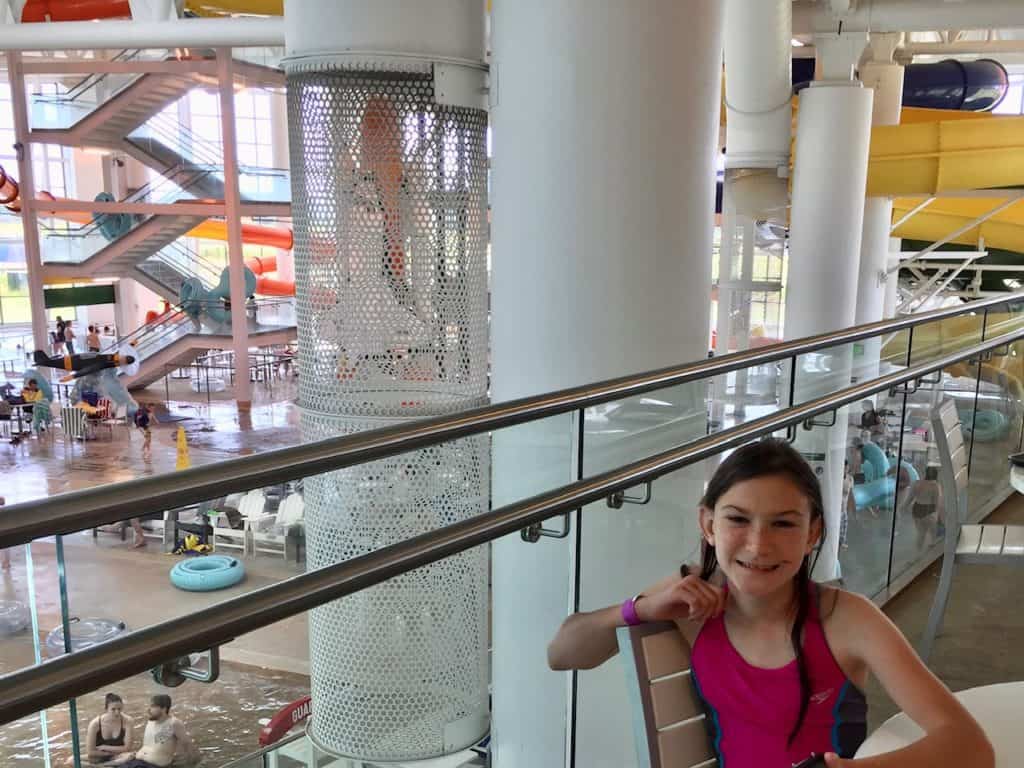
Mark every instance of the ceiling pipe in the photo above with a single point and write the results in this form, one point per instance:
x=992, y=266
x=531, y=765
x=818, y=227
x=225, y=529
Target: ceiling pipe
x=964, y=48
x=184, y=33
x=908, y=15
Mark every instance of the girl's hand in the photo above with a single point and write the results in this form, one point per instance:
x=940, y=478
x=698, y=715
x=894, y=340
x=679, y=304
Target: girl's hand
x=832, y=760
x=690, y=598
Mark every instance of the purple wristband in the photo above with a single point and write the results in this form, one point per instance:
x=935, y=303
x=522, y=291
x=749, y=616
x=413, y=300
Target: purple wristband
x=629, y=612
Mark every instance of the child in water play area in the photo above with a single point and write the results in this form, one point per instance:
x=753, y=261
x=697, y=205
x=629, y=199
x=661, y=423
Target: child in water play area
x=779, y=661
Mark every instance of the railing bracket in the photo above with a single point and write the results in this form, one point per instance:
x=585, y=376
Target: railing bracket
x=617, y=499
x=813, y=422
x=534, y=533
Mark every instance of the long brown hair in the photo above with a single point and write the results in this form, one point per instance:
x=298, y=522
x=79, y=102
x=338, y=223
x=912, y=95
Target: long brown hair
x=761, y=459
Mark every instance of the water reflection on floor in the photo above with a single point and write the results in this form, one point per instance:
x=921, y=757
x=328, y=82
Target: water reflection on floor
x=222, y=717
x=132, y=585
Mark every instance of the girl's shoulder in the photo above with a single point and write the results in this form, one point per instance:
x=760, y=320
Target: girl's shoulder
x=848, y=621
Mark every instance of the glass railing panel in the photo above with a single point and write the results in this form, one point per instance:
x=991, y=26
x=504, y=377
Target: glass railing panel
x=29, y=612
x=993, y=426
x=1004, y=318
x=264, y=56
x=79, y=244
x=265, y=185
x=945, y=336
x=873, y=475
x=526, y=460
x=852, y=452
x=830, y=369
x=59, y=115
x=165, y=138
x=661, y=524
x=259, y=675
x=919, y=520
x=751, y=393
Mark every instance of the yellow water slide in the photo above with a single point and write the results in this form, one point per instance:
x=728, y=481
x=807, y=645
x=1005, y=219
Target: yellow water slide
x=235, y=7
x=918, y=160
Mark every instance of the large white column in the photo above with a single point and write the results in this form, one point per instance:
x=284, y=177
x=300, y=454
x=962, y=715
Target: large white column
x=605, y=119
x=758, y=98
x=885, y=78
x=758, y=82
x=830, y=175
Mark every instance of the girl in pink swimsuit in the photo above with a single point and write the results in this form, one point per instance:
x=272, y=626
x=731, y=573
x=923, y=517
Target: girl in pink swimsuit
x=779, y=661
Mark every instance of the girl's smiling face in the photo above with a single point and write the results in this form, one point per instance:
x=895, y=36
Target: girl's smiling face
x=762, y=530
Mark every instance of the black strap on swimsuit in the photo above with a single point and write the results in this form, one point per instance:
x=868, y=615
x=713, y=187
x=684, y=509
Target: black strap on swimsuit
x=116, y=741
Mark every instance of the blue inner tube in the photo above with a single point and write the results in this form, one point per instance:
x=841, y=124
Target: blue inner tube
x=85, y=633
x=204, y=574
x=14, y=617
x=989, y=425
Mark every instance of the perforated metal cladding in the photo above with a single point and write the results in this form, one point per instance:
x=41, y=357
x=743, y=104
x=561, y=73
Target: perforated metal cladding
x=398, y=668
x=389, y=209
x=390, y=215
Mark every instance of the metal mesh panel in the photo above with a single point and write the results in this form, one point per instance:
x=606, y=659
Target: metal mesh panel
x=390, y=215
x=389, y=207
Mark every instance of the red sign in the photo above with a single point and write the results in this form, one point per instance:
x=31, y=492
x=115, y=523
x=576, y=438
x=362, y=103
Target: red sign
x=285, y=720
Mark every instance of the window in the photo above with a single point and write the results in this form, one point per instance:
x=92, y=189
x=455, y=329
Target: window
x=1013, y=104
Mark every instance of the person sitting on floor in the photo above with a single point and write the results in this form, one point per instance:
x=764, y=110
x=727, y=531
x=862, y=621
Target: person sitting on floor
x=109, y=734
x=165, y=737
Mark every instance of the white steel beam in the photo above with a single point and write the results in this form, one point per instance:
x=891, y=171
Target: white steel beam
x=92, y=66
x=909, y=15
x=184, y=33
x=92, y=206
x=966, y=228
x=912, y=213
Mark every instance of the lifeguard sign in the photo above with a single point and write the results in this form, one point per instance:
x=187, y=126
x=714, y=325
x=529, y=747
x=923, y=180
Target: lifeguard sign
x=286, y=719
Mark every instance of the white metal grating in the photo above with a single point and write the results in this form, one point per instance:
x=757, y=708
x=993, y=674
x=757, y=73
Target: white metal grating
x=389, y=207
x=390, y=215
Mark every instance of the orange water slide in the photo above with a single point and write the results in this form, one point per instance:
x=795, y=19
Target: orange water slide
x=252, y=234
x=269, y=286
x=87, y=10
x=74, y=10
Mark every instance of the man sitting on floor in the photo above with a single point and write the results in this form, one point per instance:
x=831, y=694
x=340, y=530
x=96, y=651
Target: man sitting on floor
x=164, y=737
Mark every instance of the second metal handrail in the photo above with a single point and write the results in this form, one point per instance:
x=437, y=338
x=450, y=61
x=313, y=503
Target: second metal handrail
x=36, y=688
x=78, y=510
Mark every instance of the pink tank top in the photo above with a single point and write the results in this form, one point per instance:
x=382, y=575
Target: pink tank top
x=752, y=710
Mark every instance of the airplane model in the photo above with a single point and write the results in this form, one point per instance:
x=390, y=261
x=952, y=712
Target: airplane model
x=83, y=364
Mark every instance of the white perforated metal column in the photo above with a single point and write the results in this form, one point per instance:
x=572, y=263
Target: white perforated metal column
x=388, y=161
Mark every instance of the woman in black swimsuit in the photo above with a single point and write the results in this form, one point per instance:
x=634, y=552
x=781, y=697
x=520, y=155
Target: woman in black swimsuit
x=110, y=734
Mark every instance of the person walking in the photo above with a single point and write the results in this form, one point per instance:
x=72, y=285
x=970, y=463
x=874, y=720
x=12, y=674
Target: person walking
x=69, y=337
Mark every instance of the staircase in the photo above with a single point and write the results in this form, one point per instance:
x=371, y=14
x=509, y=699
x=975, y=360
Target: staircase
x=174, y=340
x=166, y=270
x=130, y=121
x=120, y=257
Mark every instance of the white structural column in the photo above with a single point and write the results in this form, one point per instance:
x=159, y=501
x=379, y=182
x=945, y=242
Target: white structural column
x=758, y=98
x=758, y=83
x=885, y=79
x=388, y=142
x=29, y=220
x=233, y=218
x=604, y=119
x=830, y=175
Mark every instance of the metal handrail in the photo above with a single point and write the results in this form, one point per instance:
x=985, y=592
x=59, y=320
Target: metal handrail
x=92, y=507
x=36, y=688
x=246, y=760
